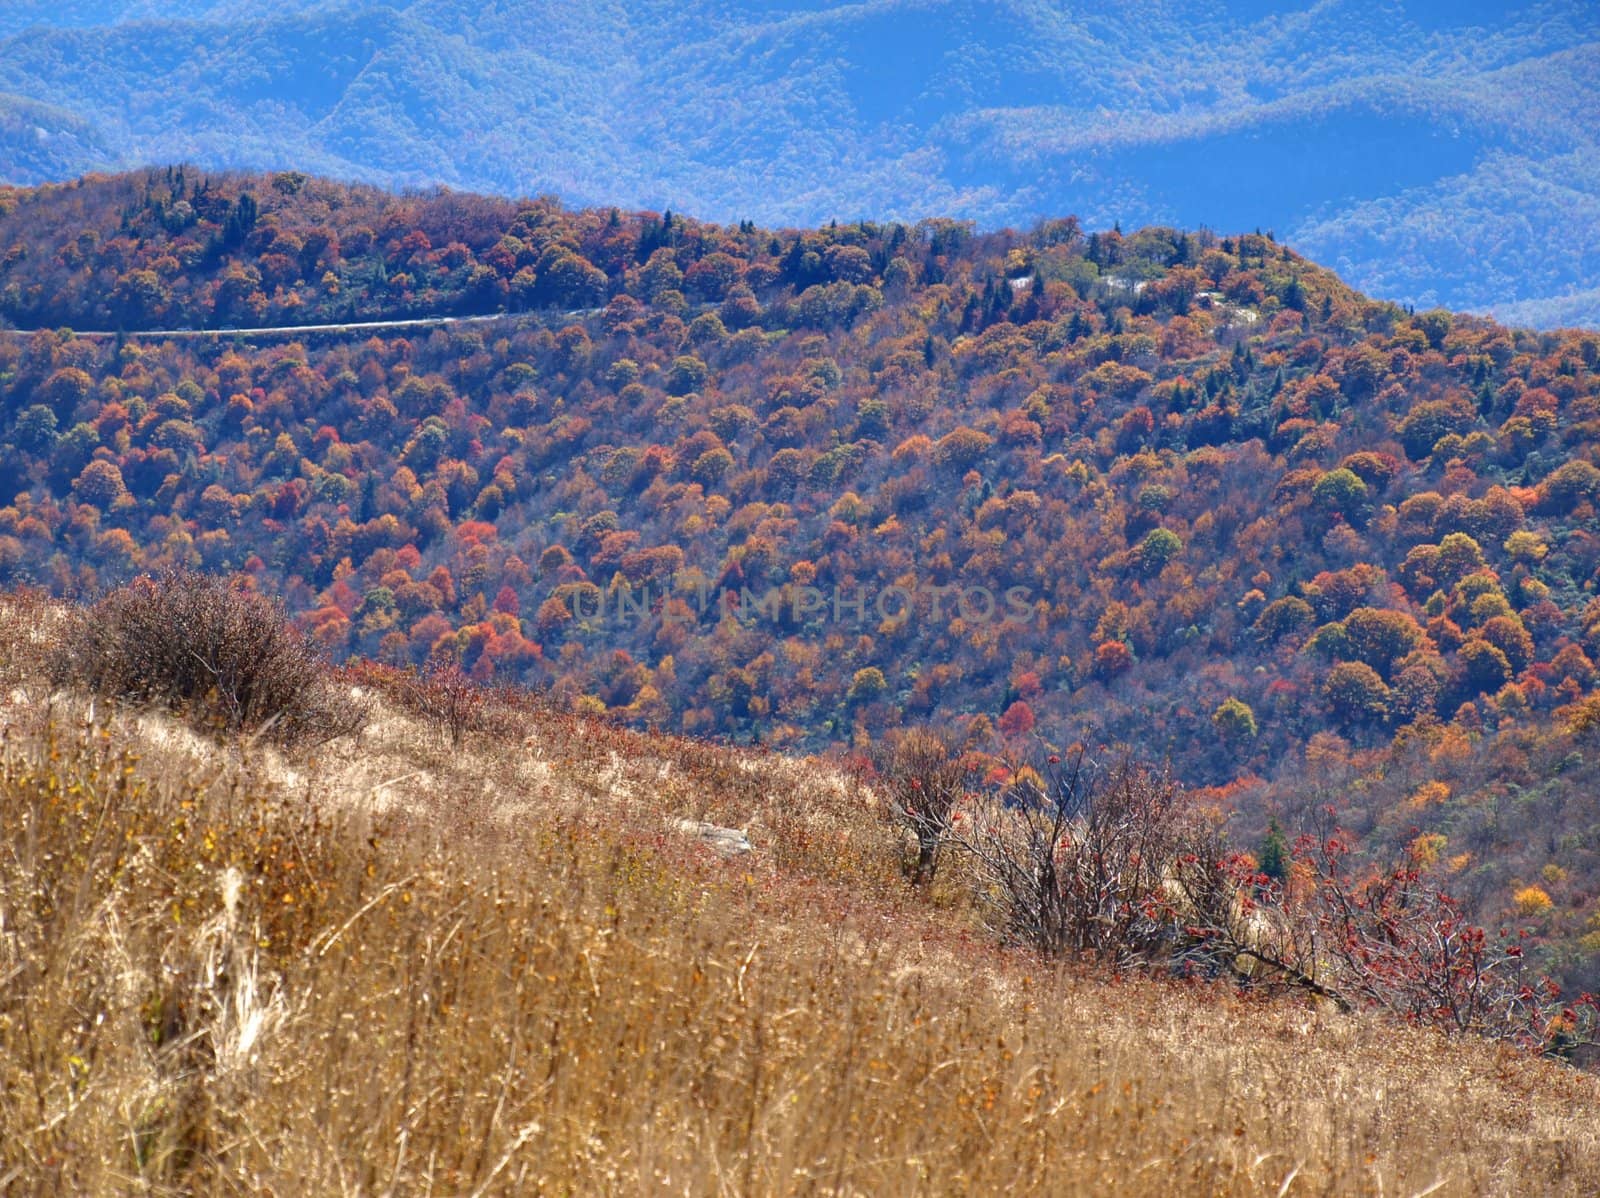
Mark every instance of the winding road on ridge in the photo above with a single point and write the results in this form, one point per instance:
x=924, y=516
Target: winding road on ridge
x=292, y=329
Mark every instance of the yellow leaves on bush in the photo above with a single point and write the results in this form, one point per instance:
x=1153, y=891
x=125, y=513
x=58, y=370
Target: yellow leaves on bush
x=1584, y=717
x=1453, y=747
x=1425, y=850
x=1429, y=794
x=1531, y=901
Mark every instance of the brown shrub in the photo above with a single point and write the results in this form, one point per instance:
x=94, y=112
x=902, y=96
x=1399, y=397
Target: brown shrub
x=229, y=661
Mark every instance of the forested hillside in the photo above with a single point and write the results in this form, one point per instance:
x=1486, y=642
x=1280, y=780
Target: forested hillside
x=1182, y=492
x=1431, y=155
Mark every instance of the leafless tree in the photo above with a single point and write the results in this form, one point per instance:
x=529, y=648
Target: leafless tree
x=924, y=780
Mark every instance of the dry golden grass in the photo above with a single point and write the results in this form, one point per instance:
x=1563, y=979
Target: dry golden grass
x=403, y=968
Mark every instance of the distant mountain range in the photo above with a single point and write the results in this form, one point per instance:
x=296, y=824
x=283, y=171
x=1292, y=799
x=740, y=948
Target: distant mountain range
x=1432, y=154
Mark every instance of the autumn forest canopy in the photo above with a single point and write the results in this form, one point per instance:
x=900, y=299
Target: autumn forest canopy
x=1311, y=547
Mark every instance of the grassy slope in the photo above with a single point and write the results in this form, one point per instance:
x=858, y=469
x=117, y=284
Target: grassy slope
x=400, y=967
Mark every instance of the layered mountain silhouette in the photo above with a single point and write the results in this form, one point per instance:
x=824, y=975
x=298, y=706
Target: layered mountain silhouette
x=1432, y=154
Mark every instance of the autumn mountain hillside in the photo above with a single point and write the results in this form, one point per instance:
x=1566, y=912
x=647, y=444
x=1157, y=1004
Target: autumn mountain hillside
x=1182, y=492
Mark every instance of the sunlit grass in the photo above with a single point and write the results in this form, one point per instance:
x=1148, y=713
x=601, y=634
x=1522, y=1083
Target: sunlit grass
x=405, y=967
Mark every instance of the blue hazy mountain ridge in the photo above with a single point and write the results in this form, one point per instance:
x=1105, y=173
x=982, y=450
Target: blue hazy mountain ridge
x=1432, y=153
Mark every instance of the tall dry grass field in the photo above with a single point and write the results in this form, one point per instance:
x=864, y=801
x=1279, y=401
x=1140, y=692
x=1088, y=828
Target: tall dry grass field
x=406, y=966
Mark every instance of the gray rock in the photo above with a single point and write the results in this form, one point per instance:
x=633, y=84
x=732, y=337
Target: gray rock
x=730, y=842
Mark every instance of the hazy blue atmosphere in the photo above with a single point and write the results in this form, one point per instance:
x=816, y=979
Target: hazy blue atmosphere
x=1431, y=153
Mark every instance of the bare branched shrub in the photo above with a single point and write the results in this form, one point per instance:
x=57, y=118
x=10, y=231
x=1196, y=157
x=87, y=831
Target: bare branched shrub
x=1385, y=937
x=1233, y=918
x=924, y=780
x=228, y=660
x=1120, y=868
x=445, y=697
x=451, y=700
x=1085, y=863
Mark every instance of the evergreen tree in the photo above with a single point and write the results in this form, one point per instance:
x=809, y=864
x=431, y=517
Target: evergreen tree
x=1273, y=856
